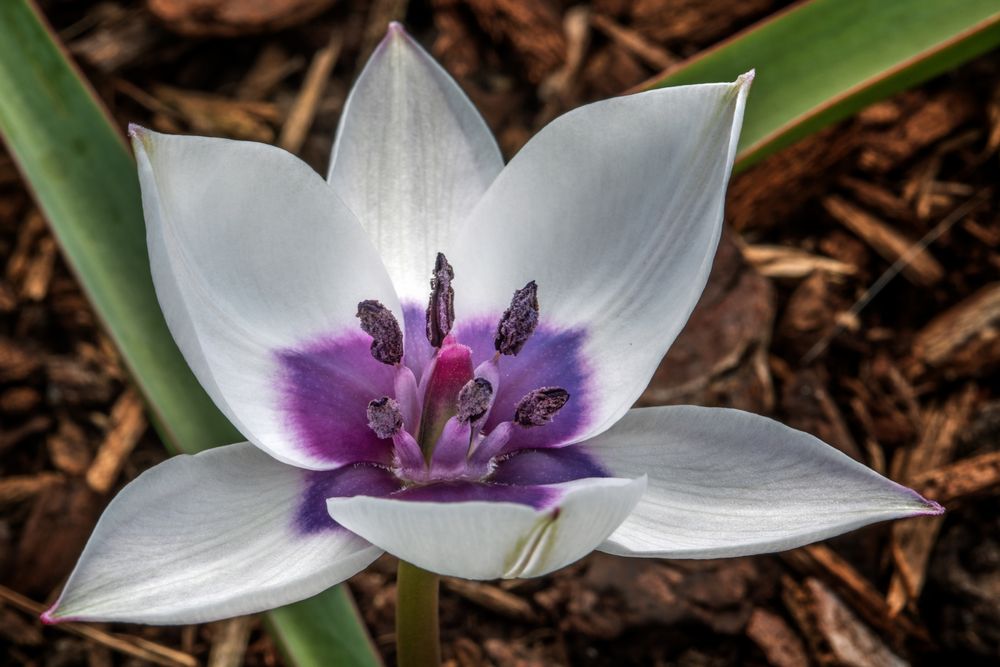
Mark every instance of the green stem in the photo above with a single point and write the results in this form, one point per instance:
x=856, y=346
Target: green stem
x=417, y=636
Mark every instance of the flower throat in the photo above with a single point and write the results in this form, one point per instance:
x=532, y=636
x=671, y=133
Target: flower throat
x=437, y=427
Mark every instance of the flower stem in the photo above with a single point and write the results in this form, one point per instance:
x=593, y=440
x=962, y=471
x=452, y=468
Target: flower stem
x=417, y=635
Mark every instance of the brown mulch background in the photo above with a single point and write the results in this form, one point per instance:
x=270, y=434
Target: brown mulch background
x=796, y=323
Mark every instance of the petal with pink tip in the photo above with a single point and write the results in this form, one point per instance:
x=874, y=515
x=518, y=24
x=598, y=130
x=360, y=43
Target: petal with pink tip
x=220, y=534
x=729, y=483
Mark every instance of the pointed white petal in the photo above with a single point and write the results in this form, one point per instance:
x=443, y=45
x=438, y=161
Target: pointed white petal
x=490, y=540
x=252, y=254
x=411, y=159
x=615, y=210
x=198, y=538
x=729, y=483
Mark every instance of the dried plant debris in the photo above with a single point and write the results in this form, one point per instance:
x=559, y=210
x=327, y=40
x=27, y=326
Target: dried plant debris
x=804, y=318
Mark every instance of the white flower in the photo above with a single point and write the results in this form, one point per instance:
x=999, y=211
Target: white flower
x=481, y=435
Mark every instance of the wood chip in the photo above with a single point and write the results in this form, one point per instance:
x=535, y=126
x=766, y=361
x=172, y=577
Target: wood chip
x=926, y=121
x=806, y=399
x=38, y=276
x=836, y=636
x=12, y=436
x=270, y=68
x=493, y=598
x=18, y=488
x=776, y=639
x=775, y=190
x=963, y=340
x=961, y=479
x=19, y=400
x=75, y=380
x=17, y=361
x=68, y=448
x=787, y=262
x=876, y=197
x=120, y=37
x=533, y=30
x=59, y=524
x=650, y=53
x=300, y=118
x=229, y=641
x=920, y=268
x=818, y=560
x=137, y=647
x=913, y=540
x=15, y=629
x=19, y=260
x=211, y=114
x=127, y=424
x=230, y=18
x=721, y=355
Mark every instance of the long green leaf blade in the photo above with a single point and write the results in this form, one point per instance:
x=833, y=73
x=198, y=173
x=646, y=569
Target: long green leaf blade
x=84, y=179
x=822, y=60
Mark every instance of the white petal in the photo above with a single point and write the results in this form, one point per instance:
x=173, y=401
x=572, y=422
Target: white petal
x=490, y=540
x=251, y=253
x=729, y=483
x=615, y=210
x=198, y=538
x=411, y=159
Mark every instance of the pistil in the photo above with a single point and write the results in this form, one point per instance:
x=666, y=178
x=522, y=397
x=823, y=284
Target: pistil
x=441, y=308
x=450, y=370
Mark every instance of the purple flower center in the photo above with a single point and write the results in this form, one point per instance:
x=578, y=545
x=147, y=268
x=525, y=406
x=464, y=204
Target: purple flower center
x=478, y=408
x=437, y=426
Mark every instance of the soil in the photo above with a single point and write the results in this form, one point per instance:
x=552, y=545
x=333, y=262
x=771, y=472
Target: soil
x=855, y=296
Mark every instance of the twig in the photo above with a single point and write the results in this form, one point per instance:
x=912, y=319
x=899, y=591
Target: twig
x=633, y=41
x=128, y=423
x=916, y=249
x=229, y=644
x=134, y=646
x=300, y=118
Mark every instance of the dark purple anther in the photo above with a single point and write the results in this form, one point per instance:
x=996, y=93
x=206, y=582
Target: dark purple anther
x=441, y=309
x=518, y=321
x=474, y=400
x=387, y=338
x=539, y=406
x=384, y=417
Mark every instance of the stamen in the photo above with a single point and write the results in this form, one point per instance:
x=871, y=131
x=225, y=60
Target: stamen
x=519, y=321
x=441, y=309
x=474, y=400
x=539, y=406
x=384, y=417
x=387, y=338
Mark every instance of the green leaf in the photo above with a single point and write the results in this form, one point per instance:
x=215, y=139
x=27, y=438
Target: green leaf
x=297, y=626
x=822, y=60
x=84, y=179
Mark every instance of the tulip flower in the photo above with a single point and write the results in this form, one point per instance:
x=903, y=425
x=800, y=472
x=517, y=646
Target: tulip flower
x=434, y=355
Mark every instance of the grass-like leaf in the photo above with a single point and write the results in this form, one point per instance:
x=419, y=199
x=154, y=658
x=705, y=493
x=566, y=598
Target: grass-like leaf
x=84, y=179
x=822, y=60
